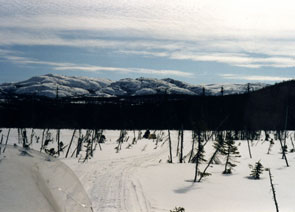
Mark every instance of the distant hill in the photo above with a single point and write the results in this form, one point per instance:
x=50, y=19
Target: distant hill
x=64, y=86
x=183, y=106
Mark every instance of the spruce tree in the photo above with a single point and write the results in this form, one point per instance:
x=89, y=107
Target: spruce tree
x=257, y=171
x=230, y=151
x=199, y=157
x=178, y=209
x=218, y=146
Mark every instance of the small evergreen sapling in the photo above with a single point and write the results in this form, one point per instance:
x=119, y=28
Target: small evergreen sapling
x=257, y=171
x=231, y=151
x=178, y=209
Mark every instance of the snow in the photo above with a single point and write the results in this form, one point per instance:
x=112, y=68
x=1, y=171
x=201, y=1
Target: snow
x=31, y=181
x=138, y=178
x=47, y=85
x=145, y=91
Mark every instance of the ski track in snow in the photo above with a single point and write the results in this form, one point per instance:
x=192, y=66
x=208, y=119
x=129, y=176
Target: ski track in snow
x=121, y=189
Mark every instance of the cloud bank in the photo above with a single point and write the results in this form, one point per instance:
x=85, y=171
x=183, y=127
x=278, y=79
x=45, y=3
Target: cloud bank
x=250, y=34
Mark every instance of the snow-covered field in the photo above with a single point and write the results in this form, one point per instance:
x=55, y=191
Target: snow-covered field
x=139, y=179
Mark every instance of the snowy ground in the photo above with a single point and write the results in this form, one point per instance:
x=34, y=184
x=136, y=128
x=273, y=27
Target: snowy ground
x=139, y=179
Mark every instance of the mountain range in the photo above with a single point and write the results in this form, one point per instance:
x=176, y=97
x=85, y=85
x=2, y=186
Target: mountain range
x=51, y=85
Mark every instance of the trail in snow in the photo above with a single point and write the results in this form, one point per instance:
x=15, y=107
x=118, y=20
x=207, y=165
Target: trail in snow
x=113, y=184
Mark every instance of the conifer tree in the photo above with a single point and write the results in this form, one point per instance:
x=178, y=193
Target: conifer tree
x=257, y=171
x=230, y=151
x=178, y=209
x=218, y=145
x=199, y=157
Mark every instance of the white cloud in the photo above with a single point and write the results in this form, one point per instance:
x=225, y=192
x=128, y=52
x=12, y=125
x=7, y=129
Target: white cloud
x=88, y=68
x=124, y=70
x=254, y=77
x=187, y=19
x=234, y=59
x=226, y=31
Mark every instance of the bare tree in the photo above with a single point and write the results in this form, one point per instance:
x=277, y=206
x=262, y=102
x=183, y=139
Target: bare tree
x=42, y=139
x=7, y=137
x=273, y=191
x=181, y=147
x=58, y=141
x=170, y=147
x=248, y=143
x=71, y=143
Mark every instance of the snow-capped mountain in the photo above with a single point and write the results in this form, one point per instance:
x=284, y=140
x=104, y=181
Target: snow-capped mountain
x=49, y=85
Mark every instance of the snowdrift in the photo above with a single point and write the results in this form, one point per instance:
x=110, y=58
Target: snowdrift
x=31, y=181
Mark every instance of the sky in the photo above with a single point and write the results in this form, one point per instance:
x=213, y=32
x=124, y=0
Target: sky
x=196, y=41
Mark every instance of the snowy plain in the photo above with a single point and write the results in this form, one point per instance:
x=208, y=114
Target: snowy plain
x=138, y=177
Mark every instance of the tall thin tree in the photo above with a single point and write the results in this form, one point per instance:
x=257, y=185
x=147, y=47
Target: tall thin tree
x=273, y=191
x=181, y=147
x=170, y=147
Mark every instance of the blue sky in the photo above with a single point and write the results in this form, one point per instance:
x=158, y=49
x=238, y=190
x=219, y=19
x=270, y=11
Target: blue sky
x=196, y=41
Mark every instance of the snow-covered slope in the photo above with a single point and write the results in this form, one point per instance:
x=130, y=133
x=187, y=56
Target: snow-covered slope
x=138, y=178
x=50, y=85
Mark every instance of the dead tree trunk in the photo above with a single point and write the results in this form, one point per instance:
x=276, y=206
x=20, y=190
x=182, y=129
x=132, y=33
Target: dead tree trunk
x=273, y=191
x=209, y=163
x=18, y=136
x=271, y=143
x=25, y=139
x=6, y=140
x=181, y=147
x=32, y=136
x=1, y=139
x=293, y=146
x=227, y=159
x=134, y=141
x=248, y=142
x=220, y=144
x=58, y=141
x=100, y=138
x=120, y=140
x=178, y=141
x=1, y=143
x=92, y=142
x=193, y=146
x=79, y=145
x=71, y=143
x=170, y=147
x=283, y=147
x=42, y=139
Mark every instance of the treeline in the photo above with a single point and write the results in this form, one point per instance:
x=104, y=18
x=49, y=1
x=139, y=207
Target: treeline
x=157, y=112
x=272, y=108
